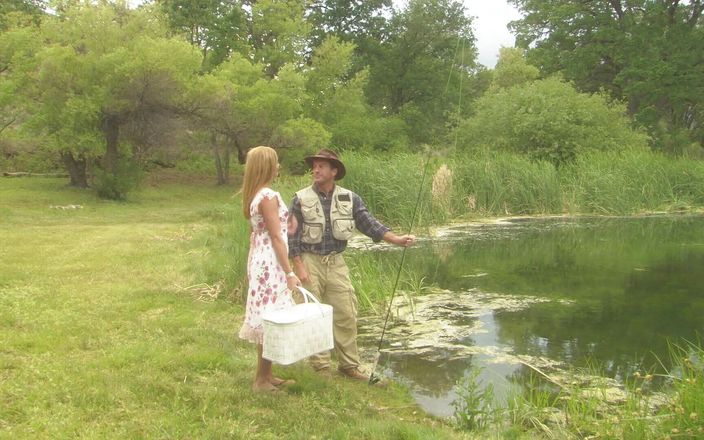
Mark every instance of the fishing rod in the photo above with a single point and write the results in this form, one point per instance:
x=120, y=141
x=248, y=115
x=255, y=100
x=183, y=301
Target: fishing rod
x=373, y=378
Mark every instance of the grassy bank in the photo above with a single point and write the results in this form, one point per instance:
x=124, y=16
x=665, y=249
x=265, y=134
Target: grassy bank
x=113, y=326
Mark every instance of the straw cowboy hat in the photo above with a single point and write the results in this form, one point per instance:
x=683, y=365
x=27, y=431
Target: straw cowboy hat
x=331, y=157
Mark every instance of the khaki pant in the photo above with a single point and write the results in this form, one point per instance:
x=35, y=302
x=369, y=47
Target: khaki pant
x=330, y=283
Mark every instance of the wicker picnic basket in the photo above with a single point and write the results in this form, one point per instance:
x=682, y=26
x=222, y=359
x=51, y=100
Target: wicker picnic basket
x=298, y=332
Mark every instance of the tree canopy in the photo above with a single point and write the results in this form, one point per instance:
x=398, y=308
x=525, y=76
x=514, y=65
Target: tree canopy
x=104, y=87
x=647, y=52
x=96, y=69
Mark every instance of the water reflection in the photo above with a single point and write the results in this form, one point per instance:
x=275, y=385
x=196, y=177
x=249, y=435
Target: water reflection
x=608, y=293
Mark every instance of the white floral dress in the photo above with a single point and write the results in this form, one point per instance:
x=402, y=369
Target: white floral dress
x=267, y=280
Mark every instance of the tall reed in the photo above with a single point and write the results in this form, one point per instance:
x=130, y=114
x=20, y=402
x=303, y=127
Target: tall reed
x=632, y=182
x=499, y=183
x=226, y=242
x=390, y=185
x=505, y=184
x=372, y=279
x=687, y=409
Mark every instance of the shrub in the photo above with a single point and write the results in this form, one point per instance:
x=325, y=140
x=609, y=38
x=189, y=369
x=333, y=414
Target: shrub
x=548, y=120
x=126, y=178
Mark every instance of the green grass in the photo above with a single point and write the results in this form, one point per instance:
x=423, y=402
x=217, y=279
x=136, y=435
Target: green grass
x=102, y=337
x=118, y=319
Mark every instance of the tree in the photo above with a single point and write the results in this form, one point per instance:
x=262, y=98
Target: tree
x=348, y=20
x=422, y=72
x=337, y=95
x=214, y=98
x=278, y=32
x=270, y=32
x=18, y=45
x=10, y=10
x=241, y=107
x=298, y=138
x=512, y=69
x=662, y=75
x=259, y=104
x=548, y=120
x=100, y=68
x=217, y=28
x=647, y=52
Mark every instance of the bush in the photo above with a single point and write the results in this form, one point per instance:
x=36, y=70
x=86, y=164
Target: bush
x=127, y=177
x=388, y=133
x=26, y=156
x=548, y=120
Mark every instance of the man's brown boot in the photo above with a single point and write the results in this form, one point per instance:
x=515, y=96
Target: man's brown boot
x=354, y=373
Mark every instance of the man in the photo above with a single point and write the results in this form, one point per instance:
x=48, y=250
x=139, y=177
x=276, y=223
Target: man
x=327, y=215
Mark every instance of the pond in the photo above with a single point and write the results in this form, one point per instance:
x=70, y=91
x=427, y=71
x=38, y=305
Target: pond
x=607, y=295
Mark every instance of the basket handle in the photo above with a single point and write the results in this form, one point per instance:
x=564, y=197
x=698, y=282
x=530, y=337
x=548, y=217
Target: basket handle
x=306, y=294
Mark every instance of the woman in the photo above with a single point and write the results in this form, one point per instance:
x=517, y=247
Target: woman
x=271, y=279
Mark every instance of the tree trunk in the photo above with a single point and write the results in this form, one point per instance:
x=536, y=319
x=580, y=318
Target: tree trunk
x=241, y=152
x=226, y=165
x=111, y=129
x=222, y=177
x=76, y=169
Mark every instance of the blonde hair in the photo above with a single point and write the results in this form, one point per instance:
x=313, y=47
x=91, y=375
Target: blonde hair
x=260, y=170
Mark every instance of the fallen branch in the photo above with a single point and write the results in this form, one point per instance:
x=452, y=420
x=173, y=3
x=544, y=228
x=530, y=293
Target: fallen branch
x=10, y=122
x=22, y=174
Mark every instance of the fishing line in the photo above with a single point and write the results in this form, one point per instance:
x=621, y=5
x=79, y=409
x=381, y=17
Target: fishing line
x=372, y=377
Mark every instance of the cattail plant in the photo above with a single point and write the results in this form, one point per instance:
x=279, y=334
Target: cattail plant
x=442, y=190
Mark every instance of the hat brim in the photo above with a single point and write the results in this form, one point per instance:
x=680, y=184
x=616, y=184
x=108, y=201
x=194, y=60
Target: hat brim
x=335, y=162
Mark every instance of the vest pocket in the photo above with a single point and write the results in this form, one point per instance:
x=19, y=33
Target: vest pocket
x=312, y=233
x=313, y=220
x=343, y=208
x=311, y=210
x=342, y=229
x=342, y=221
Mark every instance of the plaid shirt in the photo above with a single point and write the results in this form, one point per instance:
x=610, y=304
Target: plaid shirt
x=363, y=221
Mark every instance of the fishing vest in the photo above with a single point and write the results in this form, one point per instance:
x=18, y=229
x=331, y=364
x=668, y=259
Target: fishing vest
x=314, y=222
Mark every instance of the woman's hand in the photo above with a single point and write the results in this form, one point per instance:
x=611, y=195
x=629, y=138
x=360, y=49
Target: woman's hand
x=292, y=282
